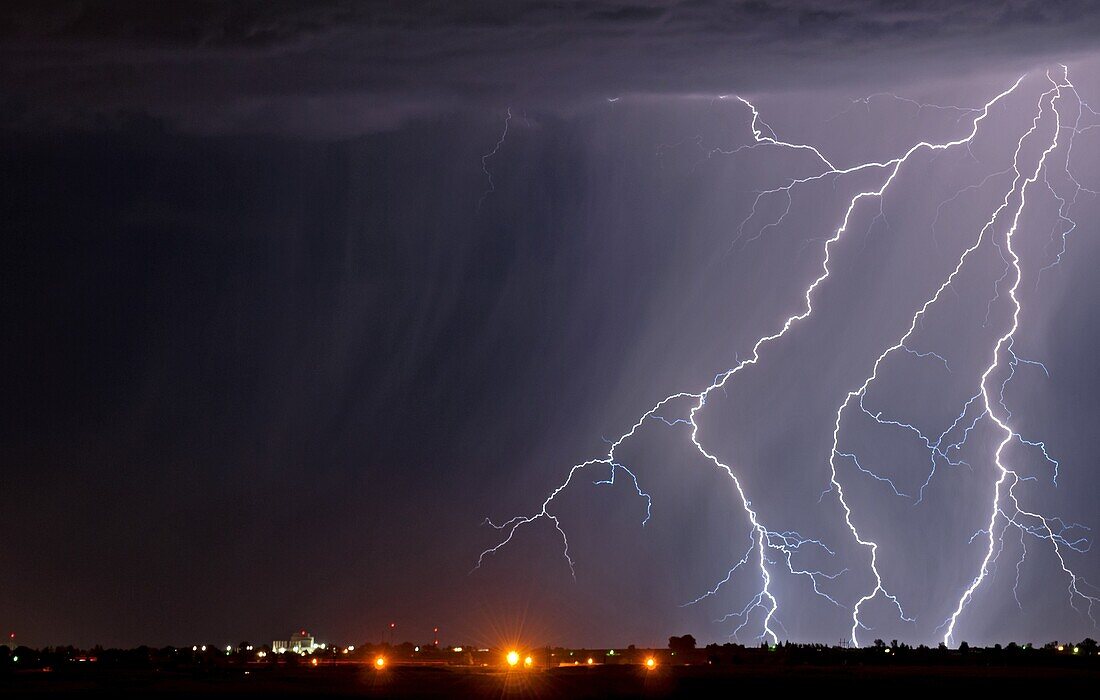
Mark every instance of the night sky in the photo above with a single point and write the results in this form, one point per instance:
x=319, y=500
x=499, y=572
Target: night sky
x=276, y=345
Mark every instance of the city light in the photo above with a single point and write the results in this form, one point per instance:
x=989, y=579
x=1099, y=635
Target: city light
x=651, y=663
x=380, y=662
x=313, y=662
x=528, y=661
x=512, y=658
x=591, y=661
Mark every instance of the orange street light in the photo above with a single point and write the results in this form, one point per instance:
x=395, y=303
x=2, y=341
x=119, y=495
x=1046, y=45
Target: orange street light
x=651, y=663
x=380, y=662
x=512, y=658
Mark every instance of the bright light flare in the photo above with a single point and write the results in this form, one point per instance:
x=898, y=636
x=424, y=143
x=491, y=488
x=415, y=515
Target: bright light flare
x=651, y=663
x=512, y=658
x=380, y=662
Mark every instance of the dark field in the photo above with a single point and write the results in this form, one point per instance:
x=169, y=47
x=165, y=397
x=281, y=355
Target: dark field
x=597, y=682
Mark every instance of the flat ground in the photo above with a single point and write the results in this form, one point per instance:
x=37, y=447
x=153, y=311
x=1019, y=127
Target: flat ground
x=593, y=682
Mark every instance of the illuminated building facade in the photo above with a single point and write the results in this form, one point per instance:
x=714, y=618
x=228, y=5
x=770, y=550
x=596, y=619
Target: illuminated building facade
x=301, y=642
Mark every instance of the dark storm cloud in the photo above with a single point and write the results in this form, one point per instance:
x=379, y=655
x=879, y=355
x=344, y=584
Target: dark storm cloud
x=235, y=357
x=343, y=67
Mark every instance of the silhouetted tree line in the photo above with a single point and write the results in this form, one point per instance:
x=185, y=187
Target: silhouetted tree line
x=881, y=653
x=681, y=650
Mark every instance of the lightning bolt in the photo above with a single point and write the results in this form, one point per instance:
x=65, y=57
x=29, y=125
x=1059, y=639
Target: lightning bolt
x=1004, y=488
x=488, y=156
x=764, y=539
x=1066, y=204
x=861, y=391
x=920, y=106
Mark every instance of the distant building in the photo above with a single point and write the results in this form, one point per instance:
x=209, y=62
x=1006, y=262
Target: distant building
x=301, y=642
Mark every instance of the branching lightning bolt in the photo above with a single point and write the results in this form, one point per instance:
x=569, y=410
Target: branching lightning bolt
x=488, y=156
x=1005, y=506
x=1007, y=478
